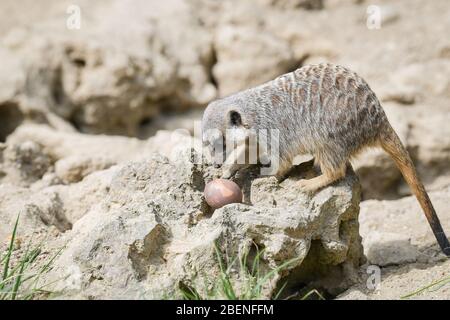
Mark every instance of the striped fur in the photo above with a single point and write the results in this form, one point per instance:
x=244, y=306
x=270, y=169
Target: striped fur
x=324, y=110
x=327, y=111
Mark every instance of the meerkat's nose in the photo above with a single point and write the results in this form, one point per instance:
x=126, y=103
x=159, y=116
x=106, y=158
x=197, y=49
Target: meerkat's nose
x=217, y=166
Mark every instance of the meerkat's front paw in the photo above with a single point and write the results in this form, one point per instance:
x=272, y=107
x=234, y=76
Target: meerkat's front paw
x=308, y=186
x=228, y=172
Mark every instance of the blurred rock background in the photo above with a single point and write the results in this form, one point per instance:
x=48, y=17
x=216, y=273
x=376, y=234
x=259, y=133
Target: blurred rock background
x=74, y=102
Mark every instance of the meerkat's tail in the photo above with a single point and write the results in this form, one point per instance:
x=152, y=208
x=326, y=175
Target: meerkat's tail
x=391, y=143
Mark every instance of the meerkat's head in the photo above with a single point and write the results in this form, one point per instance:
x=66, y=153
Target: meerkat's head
x=223, y=120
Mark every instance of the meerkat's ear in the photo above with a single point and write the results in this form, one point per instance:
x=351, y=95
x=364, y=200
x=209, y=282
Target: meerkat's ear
x=235, y=118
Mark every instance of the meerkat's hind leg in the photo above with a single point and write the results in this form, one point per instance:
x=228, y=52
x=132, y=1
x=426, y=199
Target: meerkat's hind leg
x=328, y=176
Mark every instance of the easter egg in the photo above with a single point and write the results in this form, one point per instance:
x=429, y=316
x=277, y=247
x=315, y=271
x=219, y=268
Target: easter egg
x=221, y=192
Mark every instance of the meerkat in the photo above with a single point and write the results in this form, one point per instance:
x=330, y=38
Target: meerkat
x=324, y=110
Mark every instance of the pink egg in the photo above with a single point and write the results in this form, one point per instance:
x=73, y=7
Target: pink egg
x=221, y=192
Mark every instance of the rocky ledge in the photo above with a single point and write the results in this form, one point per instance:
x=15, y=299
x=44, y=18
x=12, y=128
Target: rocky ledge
x=140, y=227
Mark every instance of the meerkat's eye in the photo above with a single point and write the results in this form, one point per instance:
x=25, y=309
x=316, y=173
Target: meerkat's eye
x=235, y=118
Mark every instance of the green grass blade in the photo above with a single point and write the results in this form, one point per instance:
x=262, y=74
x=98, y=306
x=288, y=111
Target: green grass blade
x=314, y=291
x=226, y=284
x=9, y=251
x=271, y=273
x=280, y=291
x=252, y=280
x=189, y=293
x=441, y=282
x=18, y=282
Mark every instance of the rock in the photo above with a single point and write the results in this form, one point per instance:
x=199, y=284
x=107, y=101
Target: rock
x=385, y=248
x=378, y=174
x=412, y=83
x=397, y=232
x=429, y=142
x=405, y=282
x=112, y=85
x=37, y=151
x=78, y=198
x=248, y=56
x=10, y=118
x=24, y=162
x=40, y=155
x=75, y=168
x=153, y=232
x=48, y=207
x=48, y=204
x=289, y=4
x=168, y=122
x=389, y=15
x=59, y=145
x=398, y=239
x=426, y=138
x=12, y=79
x=12, y=200
x=172, y=143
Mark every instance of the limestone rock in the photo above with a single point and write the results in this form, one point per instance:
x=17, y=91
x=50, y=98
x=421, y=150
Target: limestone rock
x=289, y=4
x=111, y=85
x=397, y=232
x=75, y=168
x=24, y=162
x=383, y=248
x=246, y=57
x=59, y=145
x=154, y=232
x=404, y=282
x=398, y=240
x=426, y=138
x=416, y=82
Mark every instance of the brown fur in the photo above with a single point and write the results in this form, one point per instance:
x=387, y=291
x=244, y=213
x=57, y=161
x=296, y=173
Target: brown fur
x=393, y=146
x=324, y=110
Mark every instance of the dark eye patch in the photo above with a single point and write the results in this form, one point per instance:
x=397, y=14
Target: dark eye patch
x=235, y=118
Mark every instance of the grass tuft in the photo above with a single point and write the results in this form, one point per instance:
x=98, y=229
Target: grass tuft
x=21, y=279
x=253, y=279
